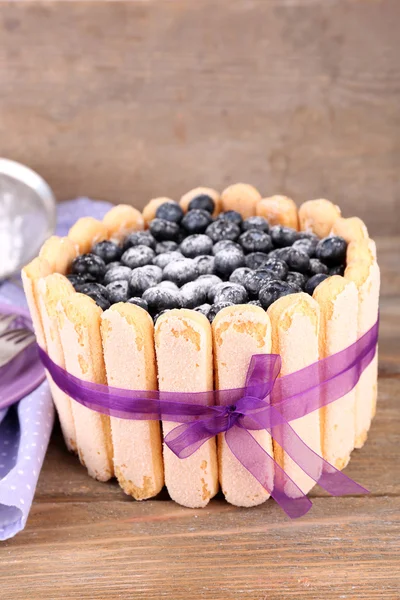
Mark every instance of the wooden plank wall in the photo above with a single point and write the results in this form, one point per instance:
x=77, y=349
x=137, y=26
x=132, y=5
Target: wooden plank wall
x=134, y=99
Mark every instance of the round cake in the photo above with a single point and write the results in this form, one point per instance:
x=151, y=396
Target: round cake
x=179, y=298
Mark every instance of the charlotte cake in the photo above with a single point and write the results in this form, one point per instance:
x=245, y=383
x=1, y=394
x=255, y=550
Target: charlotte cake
x=220, y=287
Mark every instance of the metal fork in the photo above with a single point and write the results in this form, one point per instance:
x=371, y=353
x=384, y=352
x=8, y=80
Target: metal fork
x=12, y=342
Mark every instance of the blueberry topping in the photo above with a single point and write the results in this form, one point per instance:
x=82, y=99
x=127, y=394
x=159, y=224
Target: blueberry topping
x=209, y=282
x=99, y=299
x=239, y=275
x=143, y=278
x=202, y=202
x=255, y=303
x=316, y=266
x=170, y=211
x=139, y=238
x=256, y=223
x=205, y=264
x=255, y=280
x=224, y=244
x=158, y=315
x=111, y=265
x=296, y=279
x=160, y=299
x=167, y=246
x=204, y=309
x=332, y=251
x=233, y=216
x=283, y=236
x=274, y=290
x=193, y=294
x=80, y=279
x=196, y=221
x=108, y=251
x=231, y=292
x=89, y=288
x=256, y=260
x=222, y=229
x=306, y=245
x=89, y=264
x=139, y=302
x=307, y=235
x=117, y=274
x=226, y=261
x=181, y=272
x=137, y=256
x=298, y=261
x=277, y=266
x=168, y=284
x=255, y=240
x=162, y=260
x=215, y=308
x=164, y=230
x=118, y=291
x=313, y=282
x=338, y=270
x=281, y=253
x=196, y=245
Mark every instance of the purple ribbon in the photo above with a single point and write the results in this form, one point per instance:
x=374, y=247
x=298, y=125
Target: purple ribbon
x=266, y=402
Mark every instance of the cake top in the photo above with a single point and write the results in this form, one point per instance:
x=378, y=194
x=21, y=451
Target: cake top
x=203, y=262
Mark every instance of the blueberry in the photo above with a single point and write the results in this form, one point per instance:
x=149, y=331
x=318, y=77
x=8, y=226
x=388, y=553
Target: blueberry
x=164, y=230
x=255, y=240
x=118, y=291
x=196, y=221
x=117, y=274
x=332, y=251
x=158, y=315
x=307, y=235
x=283, y=236
x=181, y=271
x=231, y=292
x=227, y=261
x=193, y=294
x=298, y=261
x=239, y=275
x=224, y=244
x=209, y=282
x=313, y=282
x=170, y=285
x=232, y=215
x=274, y=290
x=107, y=250
x=338, y=270
x=256, y=260
x=167, y=246
x=170, y=211
x=162, y=260
x=139, y=302
x=205, y=264
x=139, y=238
x=306, y=245
x=89, y=264
x=99, y=299
x=223, y=229
x=316, y=266
x=89, y=288
x=277, y=266
x=203, y=202
x=204, y=309
x=111, y=265
x=255, y=280
x=256, y=223
x=296, y=279
x=281, y=253
x=137, y=256
x=215, y=308
x=80, y=279
x=196, y=245
x=143, y=278
x=255, y=303
x=160, y=299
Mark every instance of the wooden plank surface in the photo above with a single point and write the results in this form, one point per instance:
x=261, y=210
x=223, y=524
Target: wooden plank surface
x=130, y=100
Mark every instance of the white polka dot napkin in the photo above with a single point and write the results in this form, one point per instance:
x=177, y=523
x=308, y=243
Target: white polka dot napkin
x=25, y=428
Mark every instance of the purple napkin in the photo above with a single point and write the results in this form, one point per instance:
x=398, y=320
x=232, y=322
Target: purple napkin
x=25, y=428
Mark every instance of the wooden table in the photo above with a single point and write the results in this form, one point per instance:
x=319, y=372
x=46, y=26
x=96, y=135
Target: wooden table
x=87, y=540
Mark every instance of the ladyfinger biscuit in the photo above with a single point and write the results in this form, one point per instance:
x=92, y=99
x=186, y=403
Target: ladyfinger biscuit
x=121, y=220
x=338, y=302
x=184, y=360
x=199, y=191
x=278, y=210
x=127, y=332
x=52, y=290
x=86, y=232
x=295, y=325
x=239, y=332
x=241, y=197
x=149, y=211
x=363, y=270
x=59, y=253
x=318, y=216
x=351, y=229
x=35, y=270
x=79, y=326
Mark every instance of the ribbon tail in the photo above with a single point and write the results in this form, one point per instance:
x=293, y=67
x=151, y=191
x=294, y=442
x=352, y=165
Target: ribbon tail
x=263, y=467
x=185, y=439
